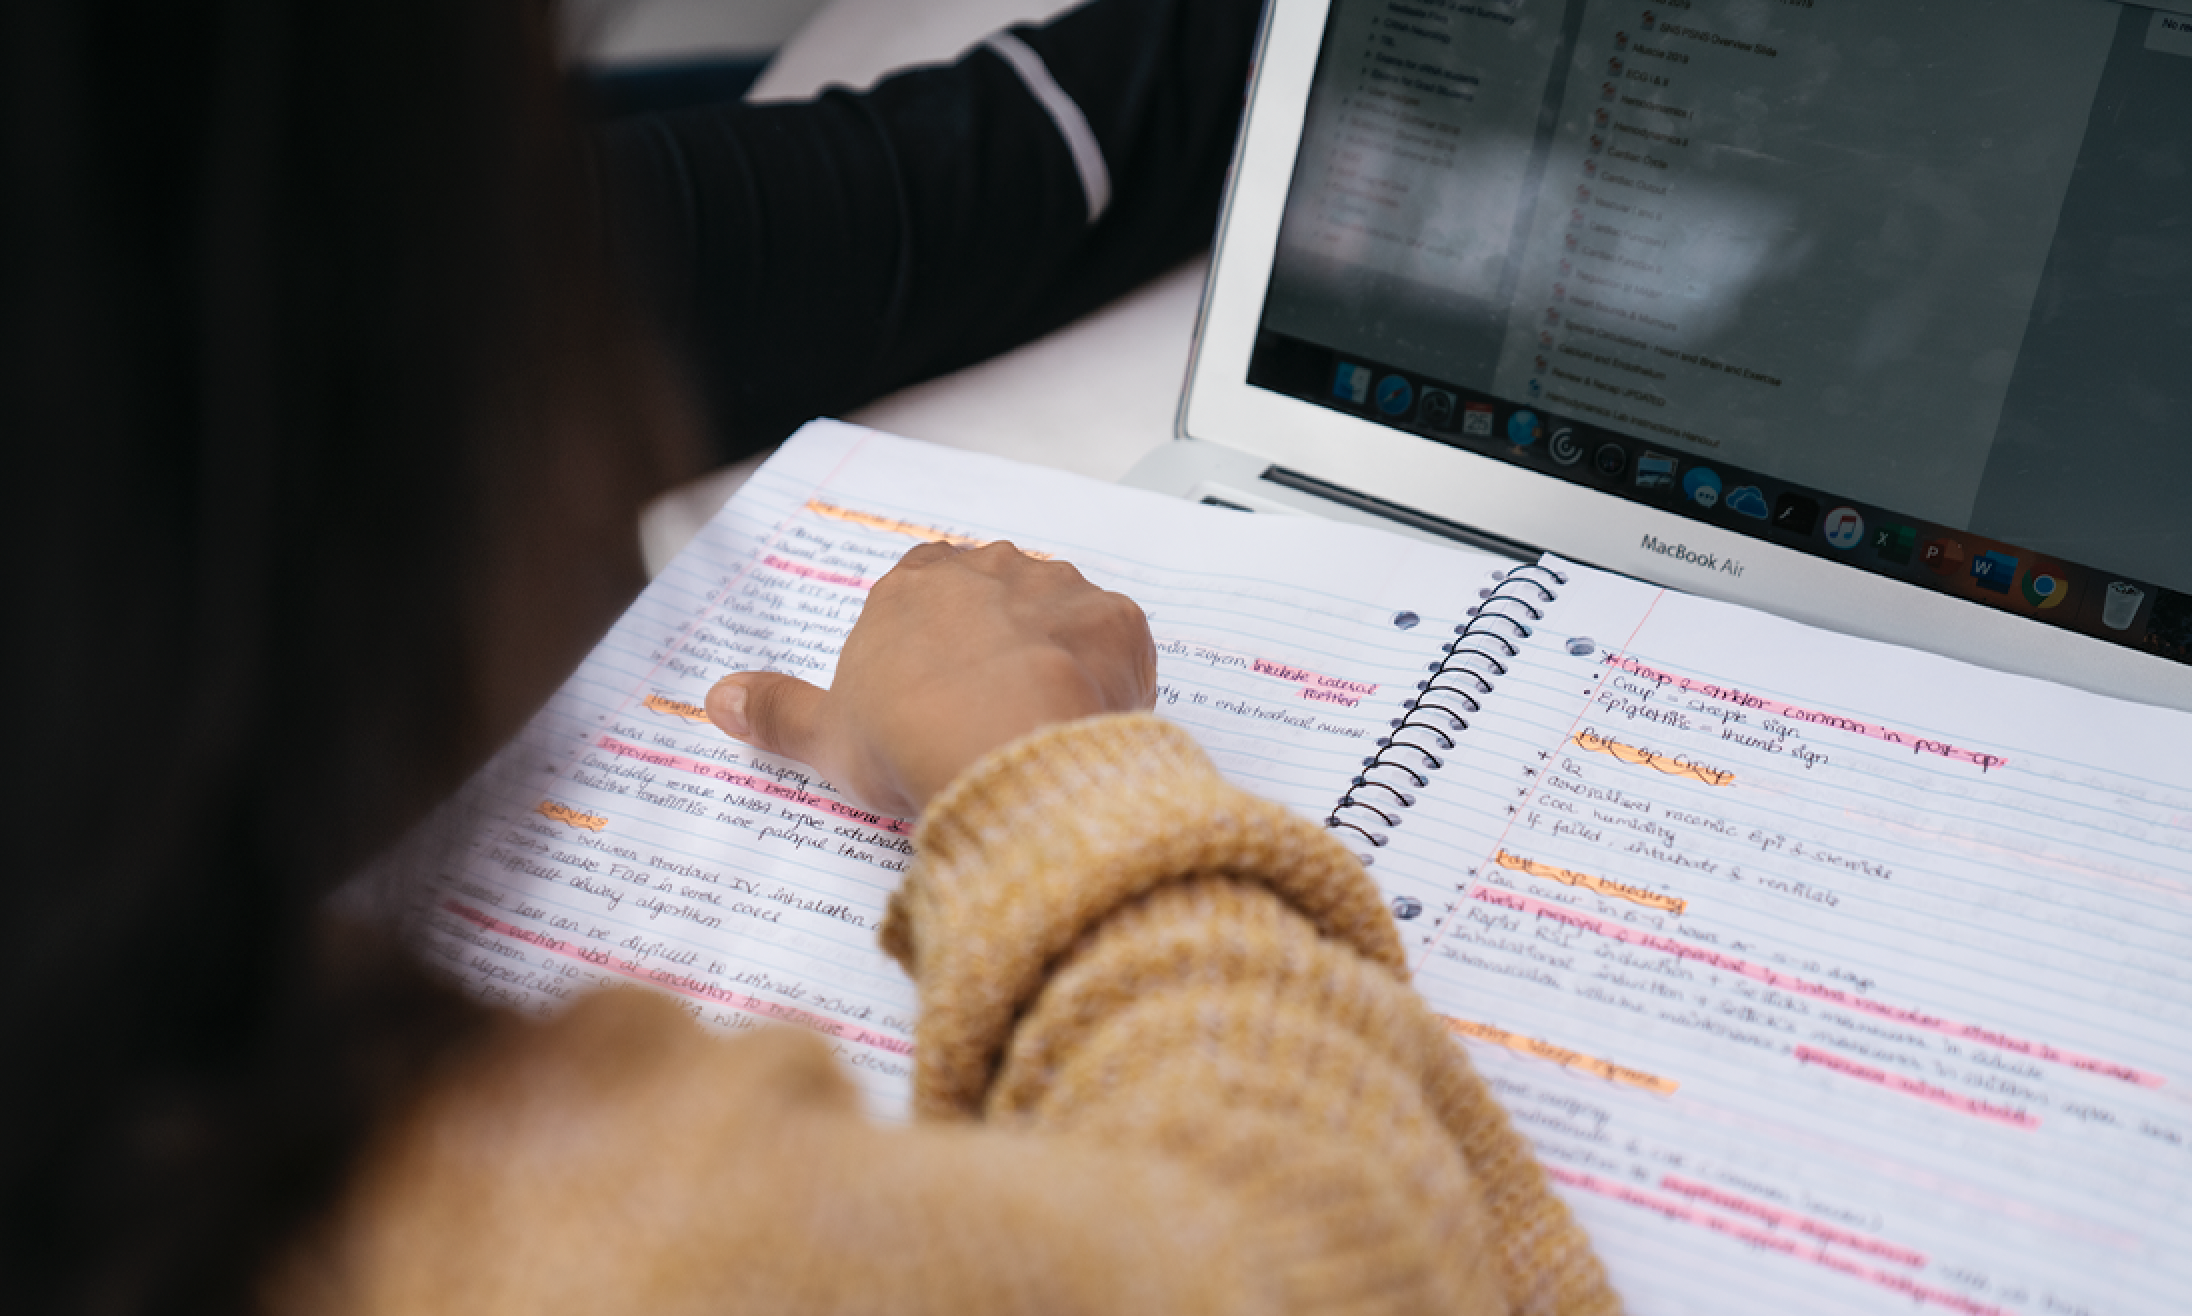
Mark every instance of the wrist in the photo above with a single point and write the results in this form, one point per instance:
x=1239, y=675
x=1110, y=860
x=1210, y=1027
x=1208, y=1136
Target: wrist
x=1042, y=840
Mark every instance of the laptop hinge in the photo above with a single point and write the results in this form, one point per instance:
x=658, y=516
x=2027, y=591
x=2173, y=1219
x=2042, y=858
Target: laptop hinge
x=1407, y=516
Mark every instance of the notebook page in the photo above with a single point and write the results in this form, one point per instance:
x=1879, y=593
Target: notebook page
x=1825, y=975
x=624, y=839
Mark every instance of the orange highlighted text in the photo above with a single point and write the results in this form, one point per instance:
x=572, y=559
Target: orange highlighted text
x=564, y=813
x=676, y=708
x=1604, y=886
x=1562, y=1056
x=1674, y=765
x=891, y=525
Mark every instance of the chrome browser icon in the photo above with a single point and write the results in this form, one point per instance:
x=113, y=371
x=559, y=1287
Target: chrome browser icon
x=2045, y=585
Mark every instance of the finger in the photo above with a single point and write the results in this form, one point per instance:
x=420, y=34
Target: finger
x=997, y=556
x=1142, y=688
x=921, y=555
x=1146, y=670
x=771, y=711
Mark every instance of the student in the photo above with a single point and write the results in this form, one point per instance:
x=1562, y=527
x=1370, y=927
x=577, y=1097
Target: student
x=805, y=258
x=326, y=430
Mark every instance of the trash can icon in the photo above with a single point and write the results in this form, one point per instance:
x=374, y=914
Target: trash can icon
x=2121, y=605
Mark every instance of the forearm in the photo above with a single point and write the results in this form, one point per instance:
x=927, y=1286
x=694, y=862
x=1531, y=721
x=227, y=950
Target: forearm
x=1177, y=1062
x=1115, y=947
x=809, y=257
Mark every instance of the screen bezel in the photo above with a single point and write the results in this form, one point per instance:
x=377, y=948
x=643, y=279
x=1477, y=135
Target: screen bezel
x=1506, y=501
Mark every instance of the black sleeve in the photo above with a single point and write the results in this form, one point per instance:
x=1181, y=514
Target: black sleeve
x=806, y=258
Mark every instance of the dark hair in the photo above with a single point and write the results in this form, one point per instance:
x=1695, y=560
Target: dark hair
x=324, y=431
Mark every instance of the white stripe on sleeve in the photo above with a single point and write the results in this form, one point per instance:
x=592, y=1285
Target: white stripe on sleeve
x=1080, y=139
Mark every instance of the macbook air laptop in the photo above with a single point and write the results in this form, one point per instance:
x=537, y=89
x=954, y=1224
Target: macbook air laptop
x=1877, y=315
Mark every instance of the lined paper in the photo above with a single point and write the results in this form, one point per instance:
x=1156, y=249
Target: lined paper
x=1824, y=975
x=630, y=841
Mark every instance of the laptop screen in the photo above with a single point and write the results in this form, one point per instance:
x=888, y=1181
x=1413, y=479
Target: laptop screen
x=1908, y=287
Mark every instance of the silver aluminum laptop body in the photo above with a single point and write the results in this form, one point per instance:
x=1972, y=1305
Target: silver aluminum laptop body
x=1869, y=316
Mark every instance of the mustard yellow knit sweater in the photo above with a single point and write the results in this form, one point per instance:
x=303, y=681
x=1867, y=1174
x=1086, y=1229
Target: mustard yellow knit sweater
x=1167, y=1061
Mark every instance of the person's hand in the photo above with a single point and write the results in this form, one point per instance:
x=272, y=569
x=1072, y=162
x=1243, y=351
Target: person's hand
x=958, y=652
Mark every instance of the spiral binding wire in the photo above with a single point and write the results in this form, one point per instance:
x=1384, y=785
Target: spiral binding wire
x=1489, y=635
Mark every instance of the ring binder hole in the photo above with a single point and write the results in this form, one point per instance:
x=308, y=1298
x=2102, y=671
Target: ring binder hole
x=1520, y=629
x=1523, y=604
x=1415, y=778
x=1430, y=760
x=1350, y=802
x=1445, y=741
x=1406, y=800
x=1394, y=742
x=1356, y=851
x=1454, y=721
x=1544, y=595
x=1461, y=695
x=1474, y=639
x=1336, y=822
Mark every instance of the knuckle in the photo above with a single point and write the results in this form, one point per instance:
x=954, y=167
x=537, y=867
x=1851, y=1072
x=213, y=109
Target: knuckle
x=1125, y=611
x=769, y=712
x=993, y=559
x=922, y=554
x=764, y=708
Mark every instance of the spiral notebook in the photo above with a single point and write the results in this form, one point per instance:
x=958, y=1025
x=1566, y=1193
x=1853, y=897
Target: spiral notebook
x=1824, y=975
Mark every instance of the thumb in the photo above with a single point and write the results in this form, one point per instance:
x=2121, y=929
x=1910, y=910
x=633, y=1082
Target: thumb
x=771, y=711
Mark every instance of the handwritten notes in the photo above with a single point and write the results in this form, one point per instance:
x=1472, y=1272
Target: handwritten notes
x=570, y=817
x=630, y=842
x=1591, y=741
x=1822, y=974
x=674, y=707
x=1560, y=1055
x=913, y=531
x=1912, y=939
x=1772, y=709
x=1568, y=876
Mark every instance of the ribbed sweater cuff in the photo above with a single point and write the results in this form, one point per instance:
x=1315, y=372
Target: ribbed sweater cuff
x=1039, y=842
